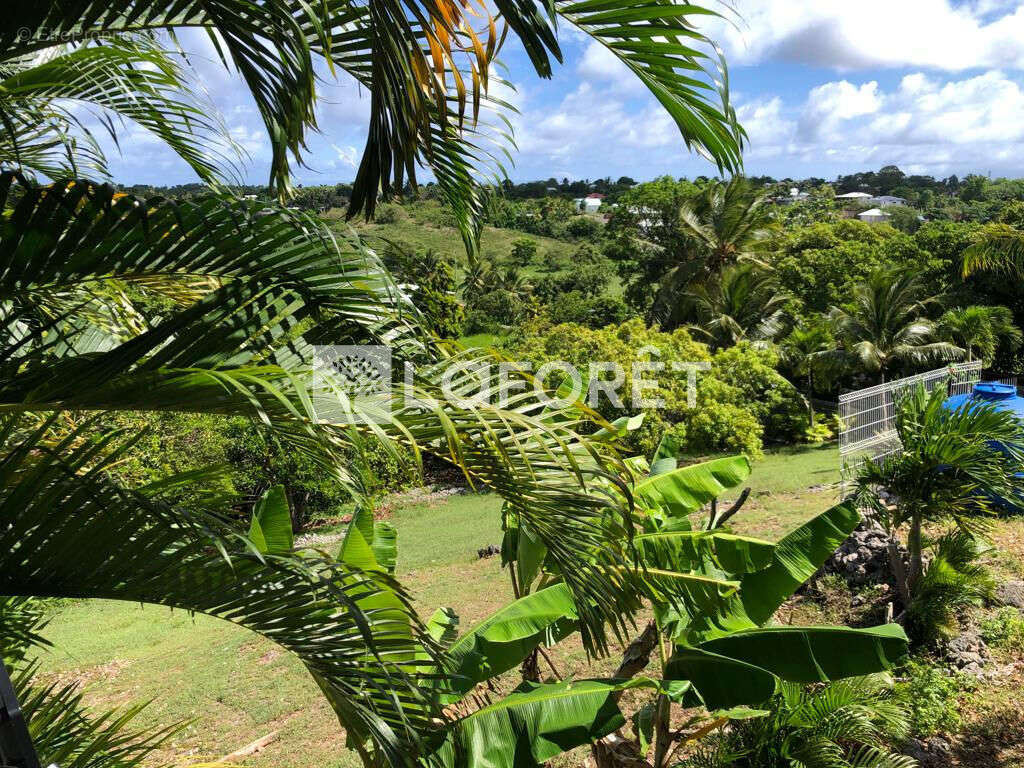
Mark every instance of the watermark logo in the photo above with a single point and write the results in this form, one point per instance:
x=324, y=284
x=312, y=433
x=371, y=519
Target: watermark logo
x=357, y=384
x=352, y=383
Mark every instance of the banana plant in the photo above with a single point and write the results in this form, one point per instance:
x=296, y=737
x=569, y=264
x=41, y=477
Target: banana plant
x=717, y=592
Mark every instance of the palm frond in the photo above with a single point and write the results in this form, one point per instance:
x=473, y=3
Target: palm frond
x=55, y=500
x=66, y=732
x=247, y=347
x=130, y=78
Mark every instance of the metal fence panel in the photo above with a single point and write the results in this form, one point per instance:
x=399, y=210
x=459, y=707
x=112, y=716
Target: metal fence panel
x=867, y=416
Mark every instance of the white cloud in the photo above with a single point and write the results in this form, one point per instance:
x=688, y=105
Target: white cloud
x=590, y=122
x=347, y=157
x=849, y=35
x=924, y=123
x=600, y=64
x=829, y=105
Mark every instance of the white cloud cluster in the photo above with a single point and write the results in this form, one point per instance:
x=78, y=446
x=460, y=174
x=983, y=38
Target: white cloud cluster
x=846, y=35
x=976, y=123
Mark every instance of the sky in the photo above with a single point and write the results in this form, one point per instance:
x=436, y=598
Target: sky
x=822, y=87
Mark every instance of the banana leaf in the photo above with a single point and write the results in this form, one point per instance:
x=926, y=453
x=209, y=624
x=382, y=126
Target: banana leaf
x=685, y=490
x=505, y=638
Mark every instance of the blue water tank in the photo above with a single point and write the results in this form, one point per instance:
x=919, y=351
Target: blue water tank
x=1005, y=398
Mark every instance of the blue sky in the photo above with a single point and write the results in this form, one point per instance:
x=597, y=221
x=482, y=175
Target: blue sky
x=822, y=87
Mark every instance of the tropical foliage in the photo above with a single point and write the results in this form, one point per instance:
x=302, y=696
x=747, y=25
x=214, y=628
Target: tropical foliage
x=838, y=725
x=947, y=469
x=885, y=324
x=249, y=291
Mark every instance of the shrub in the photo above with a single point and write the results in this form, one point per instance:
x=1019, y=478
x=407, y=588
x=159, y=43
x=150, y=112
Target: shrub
x=583, y=227
x=932, y=698
x=717, y=427
x=953, y=581
x=818, y=434
x=523, y=251
x=737, y=401
x=498, y=308
x=591, y=311
x=390, y=213
x=587, y=279
x=1004, y=630
x=773, y=400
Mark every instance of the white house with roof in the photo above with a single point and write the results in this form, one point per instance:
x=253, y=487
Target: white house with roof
x=590, y=203
x=882, y=201
x=854, y=196
x=874, y=216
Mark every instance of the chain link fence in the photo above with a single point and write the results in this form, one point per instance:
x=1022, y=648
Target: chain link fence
x=867, y=424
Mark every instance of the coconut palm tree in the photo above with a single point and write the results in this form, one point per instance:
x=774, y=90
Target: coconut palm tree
x=805, y=351
x=885, y=324
x=726, y=223
x=979, y=329
x=743, y=304
x=252, y=289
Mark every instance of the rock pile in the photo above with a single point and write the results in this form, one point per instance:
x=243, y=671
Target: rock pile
x=967, y=653
x=863, y=559
x=488, y=551
x=933, y=752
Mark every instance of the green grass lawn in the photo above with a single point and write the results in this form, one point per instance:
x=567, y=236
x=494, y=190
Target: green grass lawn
x=238, y=687
x=494, y=242
x=485, y=340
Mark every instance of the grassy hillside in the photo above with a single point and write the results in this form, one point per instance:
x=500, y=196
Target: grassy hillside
x=239, y=687
x=424, y=225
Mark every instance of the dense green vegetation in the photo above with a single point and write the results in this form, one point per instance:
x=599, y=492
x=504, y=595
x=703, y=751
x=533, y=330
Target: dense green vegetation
x=175, y=434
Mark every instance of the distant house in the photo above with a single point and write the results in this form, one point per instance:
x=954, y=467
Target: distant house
x=883, y=200
x=590, y=203
x=794, y=196
x=874, y=216
x=854, y=196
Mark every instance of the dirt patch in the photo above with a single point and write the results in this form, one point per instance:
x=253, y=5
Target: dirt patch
x=85, y=675
x=993, y=731
x=269, y=656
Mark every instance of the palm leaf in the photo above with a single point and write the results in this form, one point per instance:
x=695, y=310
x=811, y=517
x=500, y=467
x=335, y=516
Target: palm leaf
x=56, y=500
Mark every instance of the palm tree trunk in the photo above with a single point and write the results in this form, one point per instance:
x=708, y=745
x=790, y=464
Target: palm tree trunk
x=810, y=394
x=914, y=551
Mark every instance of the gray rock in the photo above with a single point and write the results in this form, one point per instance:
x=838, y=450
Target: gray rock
x=967, y=652
x=1011, y=593
x=863, y=559
x=933, y=752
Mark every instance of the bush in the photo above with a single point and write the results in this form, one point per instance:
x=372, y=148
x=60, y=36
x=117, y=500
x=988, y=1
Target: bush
x=583, y=227
x=723, y=427
x=738, y=402
x=591, y=311
x=390, y=213
x=932, y=698
x=523, y=251
x=498, y=308
x=954, y=581
x=587, y=279
x=759, y=387
x=818, y=434
x=1004, y=630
